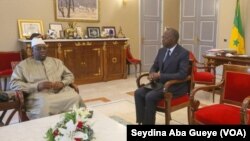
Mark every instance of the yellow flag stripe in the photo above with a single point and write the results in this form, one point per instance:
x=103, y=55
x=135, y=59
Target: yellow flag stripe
x=237, y=41
x=237, y=37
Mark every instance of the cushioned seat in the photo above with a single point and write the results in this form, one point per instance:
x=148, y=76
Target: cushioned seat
x=234, y=101
x=202, y=74
x=219, y=114
x=174, y=101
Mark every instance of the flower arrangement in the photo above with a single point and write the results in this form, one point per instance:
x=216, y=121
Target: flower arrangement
x=72, y=127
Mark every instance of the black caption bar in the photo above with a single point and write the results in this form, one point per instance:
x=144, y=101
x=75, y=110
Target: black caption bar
x=197, y=132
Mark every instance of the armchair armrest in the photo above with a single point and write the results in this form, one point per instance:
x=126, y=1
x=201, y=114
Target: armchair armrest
x=75, y=87
x=168, y=95
x=138, y=80
x=19, y=96
x=244, y=117
x=194, y=104
x=204, y=66
x=171, y=82
x=195, y=90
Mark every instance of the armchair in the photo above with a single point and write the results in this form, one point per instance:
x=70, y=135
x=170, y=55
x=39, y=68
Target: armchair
x=15, y=104
x=202, y=74
x=21, y=97
x=169, y=104
x=5, y=66
x=234, y=101
x=131, y=60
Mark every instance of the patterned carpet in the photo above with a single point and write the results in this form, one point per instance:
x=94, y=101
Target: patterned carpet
x=123, y=111
x=120, y=120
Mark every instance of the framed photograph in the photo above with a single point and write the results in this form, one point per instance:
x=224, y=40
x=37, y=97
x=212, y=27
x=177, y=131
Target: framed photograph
x=109, y=31
x=57, y=27
x=76, y=10
x=27, y=27
x=93, y=32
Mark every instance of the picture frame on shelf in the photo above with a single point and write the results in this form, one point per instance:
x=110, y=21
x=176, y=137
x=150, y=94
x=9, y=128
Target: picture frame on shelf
x=28, y=27
x=93, y=32
x=58, y=28
x=80, y=10
x=109, y=31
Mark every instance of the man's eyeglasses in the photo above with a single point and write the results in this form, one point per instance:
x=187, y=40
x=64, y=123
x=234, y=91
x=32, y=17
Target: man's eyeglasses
x=39, y=48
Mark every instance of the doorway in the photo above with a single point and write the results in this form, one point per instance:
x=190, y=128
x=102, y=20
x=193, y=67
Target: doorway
x=198, y=26
x=150, y=31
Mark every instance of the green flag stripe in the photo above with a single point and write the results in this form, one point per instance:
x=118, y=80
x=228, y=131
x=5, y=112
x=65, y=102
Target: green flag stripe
x=237, y=19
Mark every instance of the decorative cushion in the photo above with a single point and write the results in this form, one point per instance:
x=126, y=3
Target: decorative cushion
x=174, y=101
x=204, y=76
x=219, y=114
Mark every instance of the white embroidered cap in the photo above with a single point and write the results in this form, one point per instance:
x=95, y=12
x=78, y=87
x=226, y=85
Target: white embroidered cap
x=37, y=41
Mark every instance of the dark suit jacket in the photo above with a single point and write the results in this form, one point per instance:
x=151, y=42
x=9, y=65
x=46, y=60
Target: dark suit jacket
x=175, y=67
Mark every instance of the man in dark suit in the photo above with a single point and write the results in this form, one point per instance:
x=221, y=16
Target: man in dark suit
x=170, y=63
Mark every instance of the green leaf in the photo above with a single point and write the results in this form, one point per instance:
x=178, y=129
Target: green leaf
x=49, y=135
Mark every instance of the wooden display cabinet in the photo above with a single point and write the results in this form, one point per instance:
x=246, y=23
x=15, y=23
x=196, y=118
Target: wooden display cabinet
x=115, y=58
x=90, y=60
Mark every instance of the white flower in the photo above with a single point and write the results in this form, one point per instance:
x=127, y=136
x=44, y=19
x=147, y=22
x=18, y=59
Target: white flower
x=58, y=138
x=81, y=135
x=69, y=131
x=81, y=113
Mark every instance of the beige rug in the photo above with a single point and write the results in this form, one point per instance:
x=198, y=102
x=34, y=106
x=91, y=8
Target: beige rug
x=123, y=111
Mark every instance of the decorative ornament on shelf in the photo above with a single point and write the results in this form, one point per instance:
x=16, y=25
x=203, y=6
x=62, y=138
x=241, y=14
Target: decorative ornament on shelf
x=120, y=34
x=74, y=126
x=51, y=34
x=70, y=32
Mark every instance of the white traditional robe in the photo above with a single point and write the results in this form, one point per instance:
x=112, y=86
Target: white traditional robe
x=30, y=72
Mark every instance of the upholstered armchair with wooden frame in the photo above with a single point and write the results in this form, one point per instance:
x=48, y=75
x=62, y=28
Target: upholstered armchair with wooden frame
x=234, y=106
x=15, y=104
x=169, y=104
x=202, y=74
x=6, y=59
x=21, y=97
x=18, y=103
x=131, y=60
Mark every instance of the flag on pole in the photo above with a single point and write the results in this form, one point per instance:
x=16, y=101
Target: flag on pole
x=237, y=38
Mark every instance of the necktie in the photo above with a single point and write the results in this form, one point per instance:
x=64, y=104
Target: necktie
x=167, y=54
